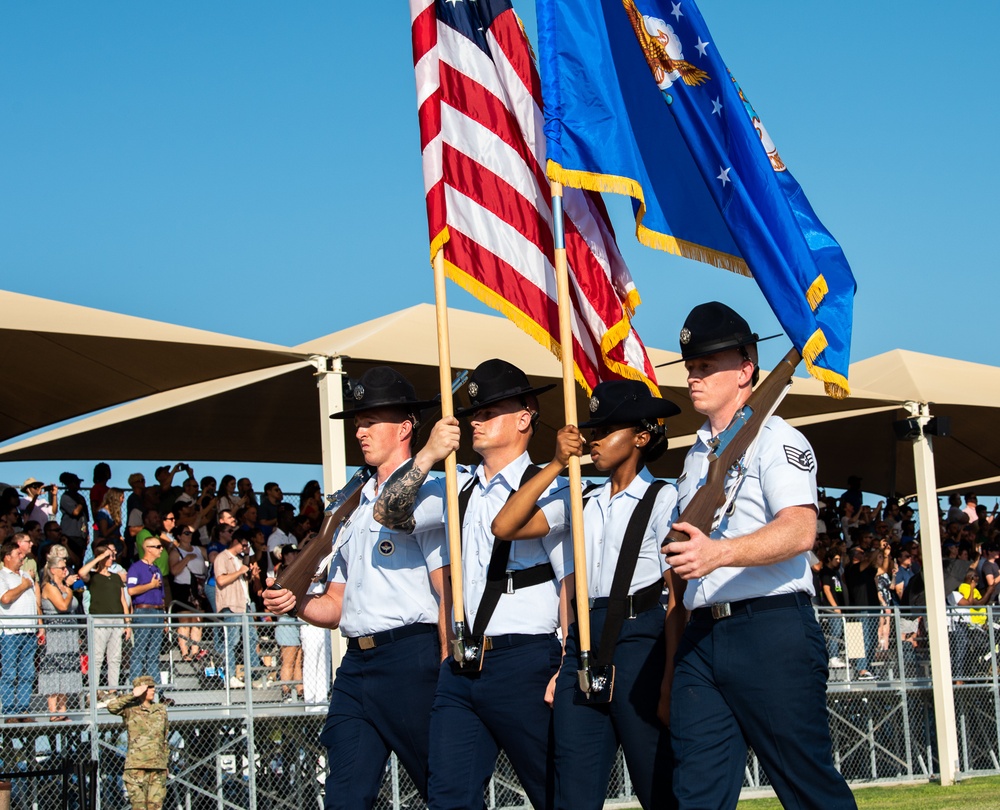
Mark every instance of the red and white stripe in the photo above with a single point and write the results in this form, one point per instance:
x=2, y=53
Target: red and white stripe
x=488, y=200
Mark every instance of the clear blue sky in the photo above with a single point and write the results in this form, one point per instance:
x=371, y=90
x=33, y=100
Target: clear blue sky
x=253, y=168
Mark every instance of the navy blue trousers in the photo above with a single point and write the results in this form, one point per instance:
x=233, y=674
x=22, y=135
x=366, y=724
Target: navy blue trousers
x=759, y=679
x=501, y=707
x=587, y=737
x=381, y=702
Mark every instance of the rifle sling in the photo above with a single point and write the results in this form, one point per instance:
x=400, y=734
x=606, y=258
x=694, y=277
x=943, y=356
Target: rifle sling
x=628, y=557
x=498, y=581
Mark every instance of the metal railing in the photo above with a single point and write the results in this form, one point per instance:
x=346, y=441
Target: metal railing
x=238, y=746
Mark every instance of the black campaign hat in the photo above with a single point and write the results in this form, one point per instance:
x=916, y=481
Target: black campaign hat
x=626, y=402
x=496, y=380
x=382, y=387
x=714, y=327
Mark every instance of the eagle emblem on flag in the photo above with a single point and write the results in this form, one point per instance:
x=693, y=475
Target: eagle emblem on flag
x=662, y=50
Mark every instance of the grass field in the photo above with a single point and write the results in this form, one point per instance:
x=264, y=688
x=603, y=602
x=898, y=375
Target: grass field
x=982, y=793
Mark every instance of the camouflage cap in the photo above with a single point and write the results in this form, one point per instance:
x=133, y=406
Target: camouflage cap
x=144, y=680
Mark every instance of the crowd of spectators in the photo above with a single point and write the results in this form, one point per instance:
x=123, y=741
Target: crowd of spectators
x=871, y=558
x=188, y=546
x=130, y=556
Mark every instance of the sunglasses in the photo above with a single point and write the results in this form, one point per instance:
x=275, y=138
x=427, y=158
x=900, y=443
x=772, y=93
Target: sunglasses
x=183, y=533
x=151, y=545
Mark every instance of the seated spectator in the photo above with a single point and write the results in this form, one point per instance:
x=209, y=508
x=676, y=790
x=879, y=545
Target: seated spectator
x=22, y=633
x=59, y=673
x=108, y=598
x=188, y=565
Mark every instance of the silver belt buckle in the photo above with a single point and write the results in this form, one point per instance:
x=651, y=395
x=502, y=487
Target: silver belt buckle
x=721, y=610
x=631, y=607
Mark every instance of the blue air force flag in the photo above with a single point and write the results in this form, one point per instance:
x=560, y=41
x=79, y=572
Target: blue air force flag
x=639, y=102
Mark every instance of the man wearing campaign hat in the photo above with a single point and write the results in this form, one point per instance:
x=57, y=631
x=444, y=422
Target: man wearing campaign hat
x=386, y=594
x=511, y=596
x=148, y=753
x=752, y=666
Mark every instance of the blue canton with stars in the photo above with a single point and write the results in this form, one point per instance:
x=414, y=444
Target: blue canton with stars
x=471, y=17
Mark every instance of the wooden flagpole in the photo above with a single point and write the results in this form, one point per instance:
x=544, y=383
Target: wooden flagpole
x=569, y=404
x=451, y=462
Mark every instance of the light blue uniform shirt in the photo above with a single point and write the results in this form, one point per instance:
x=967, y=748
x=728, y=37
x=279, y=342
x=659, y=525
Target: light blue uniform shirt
x=528, y=610
x=781, y=473
x=604, y=522
x=386, y=573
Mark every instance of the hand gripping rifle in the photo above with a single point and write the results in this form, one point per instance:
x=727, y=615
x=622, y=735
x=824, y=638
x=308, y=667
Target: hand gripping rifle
x=298, y=576
x=730, y=445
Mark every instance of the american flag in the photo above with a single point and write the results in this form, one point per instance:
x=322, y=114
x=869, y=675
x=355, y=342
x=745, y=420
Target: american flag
x=488, y=200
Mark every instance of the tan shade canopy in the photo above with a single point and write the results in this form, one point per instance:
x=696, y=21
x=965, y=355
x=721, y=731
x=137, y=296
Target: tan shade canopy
x=272, y=415
x=69, y=360
x=864, y=443
x=968, y=393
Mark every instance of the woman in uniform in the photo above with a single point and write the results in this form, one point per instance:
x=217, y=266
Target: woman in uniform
x=627, y=433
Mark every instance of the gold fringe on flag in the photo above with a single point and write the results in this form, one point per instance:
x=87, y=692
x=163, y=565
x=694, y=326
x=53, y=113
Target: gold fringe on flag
x=654, y=239
x=817, y=292
x=836, y=385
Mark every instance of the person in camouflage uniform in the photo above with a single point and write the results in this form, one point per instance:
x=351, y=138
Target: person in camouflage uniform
x=146, y=759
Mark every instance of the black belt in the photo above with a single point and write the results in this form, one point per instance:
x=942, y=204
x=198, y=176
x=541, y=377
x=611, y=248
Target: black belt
x=148, y=607
x=384, y=637
x=513, y=640
x=723, y=610
x=642, y=600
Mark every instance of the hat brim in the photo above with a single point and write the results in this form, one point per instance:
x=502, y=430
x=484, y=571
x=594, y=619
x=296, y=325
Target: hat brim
x=463, y=412
x=716, y=349
x=659, y=409
x=415, y=407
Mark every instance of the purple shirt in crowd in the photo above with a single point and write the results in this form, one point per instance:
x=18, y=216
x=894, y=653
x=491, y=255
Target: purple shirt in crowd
x=141, y=573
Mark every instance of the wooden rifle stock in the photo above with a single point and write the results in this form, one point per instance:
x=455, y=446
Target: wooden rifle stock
x=710, y=497
x=298, y=576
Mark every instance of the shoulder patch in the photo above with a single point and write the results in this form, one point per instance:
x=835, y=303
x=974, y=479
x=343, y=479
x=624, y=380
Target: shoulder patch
x=803, y=459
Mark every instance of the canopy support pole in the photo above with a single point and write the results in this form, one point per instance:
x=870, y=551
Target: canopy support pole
x=937, y=620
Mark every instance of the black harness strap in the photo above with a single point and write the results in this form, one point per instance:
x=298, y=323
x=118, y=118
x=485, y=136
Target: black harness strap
x=498, y=581
x=628, y=557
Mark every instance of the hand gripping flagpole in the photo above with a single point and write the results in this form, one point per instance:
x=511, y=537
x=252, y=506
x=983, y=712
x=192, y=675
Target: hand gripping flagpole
x=586, y=672
x=451, y=462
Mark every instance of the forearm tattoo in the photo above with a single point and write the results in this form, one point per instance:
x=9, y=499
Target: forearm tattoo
x=395, y=504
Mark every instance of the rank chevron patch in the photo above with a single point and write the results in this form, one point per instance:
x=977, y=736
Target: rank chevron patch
x=803, y=459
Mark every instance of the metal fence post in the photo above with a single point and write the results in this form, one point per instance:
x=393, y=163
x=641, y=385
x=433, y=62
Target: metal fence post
x=903, y=697
x=247, y=689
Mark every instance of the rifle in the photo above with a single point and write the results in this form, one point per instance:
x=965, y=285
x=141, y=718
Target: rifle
x=730, y=445
x=298, y=576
